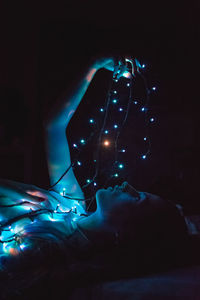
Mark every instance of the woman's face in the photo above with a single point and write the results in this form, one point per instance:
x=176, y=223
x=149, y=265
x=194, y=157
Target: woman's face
x=110, y=198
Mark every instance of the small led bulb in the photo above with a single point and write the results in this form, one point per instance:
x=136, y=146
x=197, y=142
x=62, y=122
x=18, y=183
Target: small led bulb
x=135, y=102
x=121, y=166
x=78, y=163
x=88, y=180
x=116, y=175
x=143, y=109
x=143, y=156
x=82, y=141
x=95, y=183
x=74, y=145
x=101, y=109
x=128, y=84
x=145, y=138
x=120, y=109
x=143, y=66
x=91, y=121
x=114, y=101
x=115, y=126
x=115, y=92
x=106, y=131
x=153, y=88
x=152, y=120
x=106, y=143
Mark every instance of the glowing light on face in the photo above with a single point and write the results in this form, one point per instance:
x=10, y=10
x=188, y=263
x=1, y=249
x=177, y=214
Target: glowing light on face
x=106, y=143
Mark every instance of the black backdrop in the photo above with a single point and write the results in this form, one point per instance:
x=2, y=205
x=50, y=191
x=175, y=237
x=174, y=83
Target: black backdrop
x=62, y=42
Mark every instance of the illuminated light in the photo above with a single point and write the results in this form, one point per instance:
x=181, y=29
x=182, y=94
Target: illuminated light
x=122, y=150
x=115, y=126
x=116, y=80
x=52, y=219
x=79, y=163
x=152, y=120
x=114, y=101
x=128, y=84
x=135, y=102
x=61, y=193
x=95, y=160
x=106, y=143
x=145, y=138
x=115, y=92
x=82, y=141
x=121, y=166
x=64, y=189
x=126, y=74
x=9, y=227
x=153, y=88
x=101, y=109
x=143, y=109
x=106, y=131
x=143, y=66
x=95, y=183
x=74, y=145
x=13, y=251
x=116, y=175
x=55, y=211
x=120, y=109
x=91, y=121
x=22, y=246
x=88, y=180
x=143, y=156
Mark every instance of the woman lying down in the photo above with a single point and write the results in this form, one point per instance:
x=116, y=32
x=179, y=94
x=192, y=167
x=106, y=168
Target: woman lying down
x=36, y=223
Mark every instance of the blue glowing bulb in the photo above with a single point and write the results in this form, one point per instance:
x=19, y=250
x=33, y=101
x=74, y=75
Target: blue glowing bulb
x=88, y=180
x=153, y=88
x=78, y=163
x=143, y=156
x=95, y=183
x=152, y=120
x=143, y=66
x=123, y=150
x=128, y=84
x=106, y=131
x=143, y=109
x=82, y=141
x=116, y=175
x=135, y=102
x=95, y=160
x=115, y=92
x=101, y=109
x=115, y=126
x=114, y=101
x=145, y=138
x=120, y=109
x=121, y=166
x=91, y=121
x=74, y=145
x=22, y=246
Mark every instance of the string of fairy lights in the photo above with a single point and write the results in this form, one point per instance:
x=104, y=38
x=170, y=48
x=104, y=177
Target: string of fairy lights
x=13, y=227
x=108, y=136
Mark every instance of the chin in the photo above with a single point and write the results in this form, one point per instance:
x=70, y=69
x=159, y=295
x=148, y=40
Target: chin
x=102, y=195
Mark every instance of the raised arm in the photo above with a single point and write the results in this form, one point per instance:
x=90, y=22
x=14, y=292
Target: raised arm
x=55, y=127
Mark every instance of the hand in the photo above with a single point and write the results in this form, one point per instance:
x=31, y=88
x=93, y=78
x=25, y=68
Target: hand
x=117, y=65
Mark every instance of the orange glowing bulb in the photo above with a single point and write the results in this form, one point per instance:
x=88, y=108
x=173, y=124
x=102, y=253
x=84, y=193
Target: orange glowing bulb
x=106, y=143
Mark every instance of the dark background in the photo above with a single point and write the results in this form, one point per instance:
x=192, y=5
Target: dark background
x=44, y=47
